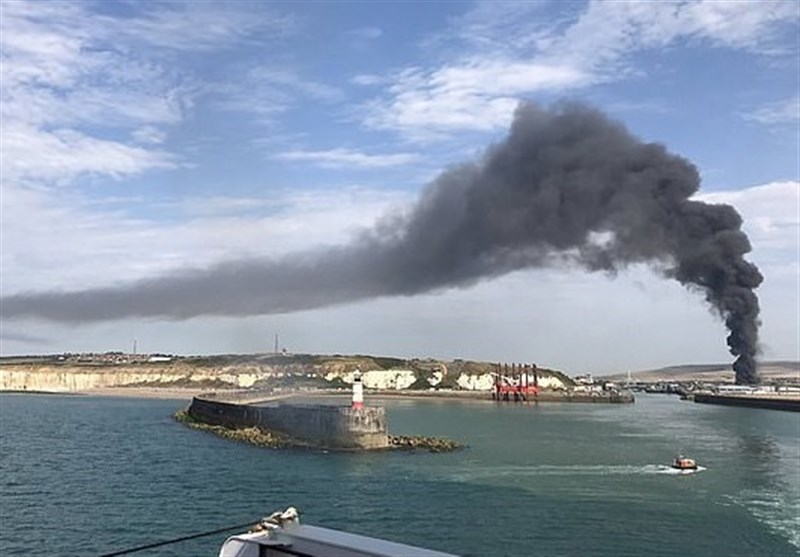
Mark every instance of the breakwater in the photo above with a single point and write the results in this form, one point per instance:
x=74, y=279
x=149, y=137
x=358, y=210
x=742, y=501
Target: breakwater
x=791, y=404
x=335, y=427
x=614, y=397
x=600, y=397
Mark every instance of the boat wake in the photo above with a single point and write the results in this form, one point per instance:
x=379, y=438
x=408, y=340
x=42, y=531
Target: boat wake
x=677, y=472
x=572, y=470
x=779, y=509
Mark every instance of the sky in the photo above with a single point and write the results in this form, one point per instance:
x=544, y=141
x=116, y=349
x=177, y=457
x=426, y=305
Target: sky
x=142, y=140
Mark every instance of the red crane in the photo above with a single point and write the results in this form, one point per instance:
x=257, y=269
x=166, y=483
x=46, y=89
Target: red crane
x=514, y=383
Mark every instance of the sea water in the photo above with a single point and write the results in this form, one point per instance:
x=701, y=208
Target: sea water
x=89, y=475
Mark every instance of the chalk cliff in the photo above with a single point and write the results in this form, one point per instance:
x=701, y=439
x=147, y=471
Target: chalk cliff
x=218, y=372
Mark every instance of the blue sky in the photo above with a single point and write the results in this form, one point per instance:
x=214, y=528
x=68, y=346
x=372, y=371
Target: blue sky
x=140, y=138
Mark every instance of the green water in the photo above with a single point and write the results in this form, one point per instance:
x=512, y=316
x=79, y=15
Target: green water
x=83, y=476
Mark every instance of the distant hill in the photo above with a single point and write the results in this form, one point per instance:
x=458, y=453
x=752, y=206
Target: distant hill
x=81, y=372
x=709, y=372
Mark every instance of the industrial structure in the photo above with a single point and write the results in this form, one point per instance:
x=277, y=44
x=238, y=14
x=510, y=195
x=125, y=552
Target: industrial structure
x=515, y=382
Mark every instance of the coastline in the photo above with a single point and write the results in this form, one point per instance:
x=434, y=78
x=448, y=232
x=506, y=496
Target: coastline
x=188, y=393
x=125, y=392
x=176, y=393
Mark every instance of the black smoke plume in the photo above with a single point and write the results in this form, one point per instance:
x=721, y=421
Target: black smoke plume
x=566, y=185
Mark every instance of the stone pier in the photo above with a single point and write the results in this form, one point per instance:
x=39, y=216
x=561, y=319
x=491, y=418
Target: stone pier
x=334, y=427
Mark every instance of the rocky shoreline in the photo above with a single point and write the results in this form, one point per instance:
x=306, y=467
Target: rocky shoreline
x=431, y=444
x=257, y=436
x=262, y=437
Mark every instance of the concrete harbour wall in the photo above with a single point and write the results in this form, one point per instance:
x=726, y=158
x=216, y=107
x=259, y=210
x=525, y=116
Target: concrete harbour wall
x=772, y=403
x=336, y=427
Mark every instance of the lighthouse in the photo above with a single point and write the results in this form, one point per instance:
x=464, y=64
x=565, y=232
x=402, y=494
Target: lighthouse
x=358, y=391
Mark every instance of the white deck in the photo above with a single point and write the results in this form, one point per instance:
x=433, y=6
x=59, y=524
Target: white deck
x=313, y=541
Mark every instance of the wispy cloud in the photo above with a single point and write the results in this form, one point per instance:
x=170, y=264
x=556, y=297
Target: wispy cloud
x=473, y=95
x=496, y=28
x=749, y=25
x=90, y=244
x=347, y=158
x=368, y=80
x=58, y=156
x=58, y=81
x=201, y=25
x=501, y=52
x=603, y=37
x=268, y=91
x=652, y=106
x=771, y=219
x=148, y=135
x=786, y=111
x=369, y=33
x=283, y=78
x=81, y=94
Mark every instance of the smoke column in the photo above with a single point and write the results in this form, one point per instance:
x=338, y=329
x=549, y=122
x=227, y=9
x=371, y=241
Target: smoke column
x=567, y=185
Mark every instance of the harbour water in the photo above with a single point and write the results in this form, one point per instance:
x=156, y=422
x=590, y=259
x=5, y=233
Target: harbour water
x=88, y=475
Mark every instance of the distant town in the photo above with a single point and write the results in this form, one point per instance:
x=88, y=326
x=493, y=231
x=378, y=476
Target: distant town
x=97, y=358
x=680, y=379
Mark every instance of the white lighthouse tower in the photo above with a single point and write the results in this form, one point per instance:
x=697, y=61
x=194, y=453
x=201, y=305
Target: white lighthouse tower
x=358, y=391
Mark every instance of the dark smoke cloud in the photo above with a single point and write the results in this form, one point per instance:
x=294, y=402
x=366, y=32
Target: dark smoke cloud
x=567, y=184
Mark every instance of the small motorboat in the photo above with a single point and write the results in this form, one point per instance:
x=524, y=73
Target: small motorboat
x=683, y=463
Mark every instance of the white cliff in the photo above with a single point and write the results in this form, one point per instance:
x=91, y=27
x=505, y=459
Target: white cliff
x=197, y=373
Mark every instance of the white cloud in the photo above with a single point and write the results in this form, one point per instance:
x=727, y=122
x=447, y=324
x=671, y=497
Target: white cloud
x=283, y=78
x=200, y=25
x=82, y=94
x=149, y=135
x=58, y=156
x=786, y=111
x=611, y=30
x=368, y=80
x=63, y=82
x=474, y=95
x=496, y=28
x=86, y=244
x=508, y=52
x=347, y=158
x=268, y=91
x=748, y=25
x=771, y=214
x=652, y=106
x=603, y=38
x=39, y=42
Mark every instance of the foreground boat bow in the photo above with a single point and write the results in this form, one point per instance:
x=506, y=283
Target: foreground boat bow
x=282, y=535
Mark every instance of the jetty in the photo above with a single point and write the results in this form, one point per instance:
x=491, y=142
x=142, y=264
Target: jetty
x=281, y=422
x=351, y=427
x=771, y=401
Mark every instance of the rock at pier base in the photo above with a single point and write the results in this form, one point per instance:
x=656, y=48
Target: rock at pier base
x=262, y=437
x=253, y=435
x=431, y=444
